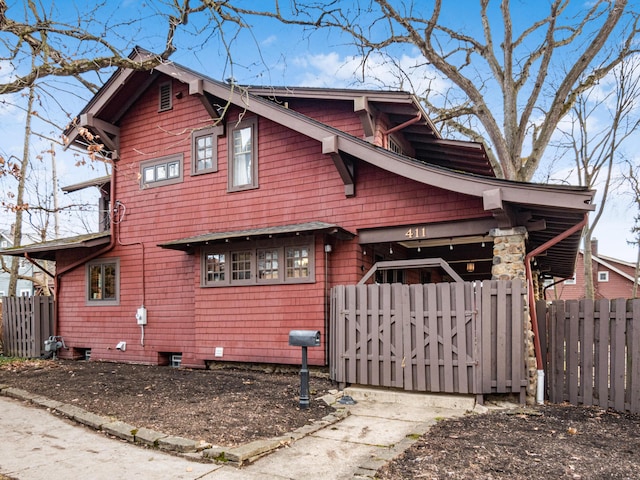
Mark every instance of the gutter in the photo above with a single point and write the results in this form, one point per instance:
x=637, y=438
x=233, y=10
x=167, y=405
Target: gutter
x=112, y=243
x=411, y=121
x=532, y=301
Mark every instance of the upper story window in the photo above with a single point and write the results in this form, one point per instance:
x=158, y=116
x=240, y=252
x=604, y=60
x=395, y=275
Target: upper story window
x=161, y=171
x=394, y=146
x=603, y=276
x=266, y=262
x=103, y=282
x=204, y=150
x=570, y=281
x=243, y=155
x=165, y=97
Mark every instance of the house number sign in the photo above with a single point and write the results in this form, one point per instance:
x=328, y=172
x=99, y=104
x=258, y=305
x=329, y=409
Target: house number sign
x=416, y=232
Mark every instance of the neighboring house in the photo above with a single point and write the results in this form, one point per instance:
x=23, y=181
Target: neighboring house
x=236, y=210
x=612, y=278
x=23, y=287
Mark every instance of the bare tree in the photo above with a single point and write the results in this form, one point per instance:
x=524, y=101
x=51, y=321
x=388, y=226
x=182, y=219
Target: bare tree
x=490, y=62
x=632, y=177
x=600, y=122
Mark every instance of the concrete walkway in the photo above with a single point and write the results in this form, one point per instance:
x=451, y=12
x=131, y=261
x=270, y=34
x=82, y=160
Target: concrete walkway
x=36, y=444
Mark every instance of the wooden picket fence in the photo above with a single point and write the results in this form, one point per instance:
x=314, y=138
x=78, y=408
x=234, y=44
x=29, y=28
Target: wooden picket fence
x=26, y=323
x=593, y=352
x=463, y=338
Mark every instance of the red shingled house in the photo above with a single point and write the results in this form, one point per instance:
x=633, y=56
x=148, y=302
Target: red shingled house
x=612, y=278
x=234, y=210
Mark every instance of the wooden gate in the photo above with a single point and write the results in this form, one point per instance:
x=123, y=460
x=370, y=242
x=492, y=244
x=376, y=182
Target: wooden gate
x=455, y=338
x=593, y=352
x=26, y=323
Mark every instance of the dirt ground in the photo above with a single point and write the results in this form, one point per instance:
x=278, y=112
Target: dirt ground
x=221, y=407
x=230, y=407
x=552, y=441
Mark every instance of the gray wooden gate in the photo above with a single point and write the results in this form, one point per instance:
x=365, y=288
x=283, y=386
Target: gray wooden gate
x=26, y=323
x=455, y=338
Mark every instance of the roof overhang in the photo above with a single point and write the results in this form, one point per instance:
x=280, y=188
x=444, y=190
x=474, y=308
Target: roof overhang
x=95, y=182
x=47, y=250
x=188, y=244
x=546, y=210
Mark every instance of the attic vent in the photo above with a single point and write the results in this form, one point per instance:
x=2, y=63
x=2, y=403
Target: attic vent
x=165, y=97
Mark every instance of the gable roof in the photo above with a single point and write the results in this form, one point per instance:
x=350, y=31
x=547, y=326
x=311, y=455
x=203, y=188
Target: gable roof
x=610, y=263
x=545, y=210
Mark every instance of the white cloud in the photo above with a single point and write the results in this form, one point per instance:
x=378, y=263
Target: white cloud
x=332, y=70
x=269, y=41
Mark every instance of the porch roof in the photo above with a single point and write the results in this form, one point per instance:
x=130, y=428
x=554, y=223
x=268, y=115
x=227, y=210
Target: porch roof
x=47, y=250
x=187, y=244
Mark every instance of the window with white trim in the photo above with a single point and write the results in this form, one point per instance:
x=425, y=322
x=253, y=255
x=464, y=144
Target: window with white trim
x=394, y=146
x=603, y=276
x=103, y=282
x=161, y=171
x=287, y=261
x=243, y=155
x=204, y=150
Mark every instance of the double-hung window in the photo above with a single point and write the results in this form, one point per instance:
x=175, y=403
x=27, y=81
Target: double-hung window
x=263, y=263
x=243, y=155
x=103, y=282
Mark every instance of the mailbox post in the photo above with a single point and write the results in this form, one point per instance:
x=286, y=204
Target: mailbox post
x=304, y=339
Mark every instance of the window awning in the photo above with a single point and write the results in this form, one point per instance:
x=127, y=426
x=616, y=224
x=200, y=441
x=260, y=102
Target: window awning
x=187, y=244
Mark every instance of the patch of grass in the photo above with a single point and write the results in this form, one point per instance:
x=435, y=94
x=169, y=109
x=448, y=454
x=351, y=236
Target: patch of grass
x=4, y=360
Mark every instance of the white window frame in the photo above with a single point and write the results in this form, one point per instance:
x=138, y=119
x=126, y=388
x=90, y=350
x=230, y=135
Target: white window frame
x=162, y=171
x=234, y=184
x=603, y=276
x=212, y=134
x=570, y=281
x=224, y=276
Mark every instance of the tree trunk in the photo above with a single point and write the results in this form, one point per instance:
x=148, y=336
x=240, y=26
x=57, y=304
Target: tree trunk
x=589, y=290
x=17, y=233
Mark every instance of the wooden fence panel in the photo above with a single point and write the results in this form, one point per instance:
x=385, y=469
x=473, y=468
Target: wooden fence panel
x=454, y=338
x=27, y=323
x=595, y=353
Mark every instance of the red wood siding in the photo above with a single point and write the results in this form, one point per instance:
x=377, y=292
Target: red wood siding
x=297, y=184
x=617, y=286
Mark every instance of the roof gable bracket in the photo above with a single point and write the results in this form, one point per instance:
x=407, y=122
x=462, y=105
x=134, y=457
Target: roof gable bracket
x=502, y=212
x=362, y=109
x=196, y=87
x=344, y=165
x=109, y=133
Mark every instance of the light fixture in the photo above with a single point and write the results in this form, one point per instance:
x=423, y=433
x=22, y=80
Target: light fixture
x=390, y=250
x=482, y=244
x=471, y=267
x=451, y=246
x=418, y=249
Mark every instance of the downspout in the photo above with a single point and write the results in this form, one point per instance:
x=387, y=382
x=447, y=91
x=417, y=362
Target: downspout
x=90, y=257
x=532, y=301
x=386, y=133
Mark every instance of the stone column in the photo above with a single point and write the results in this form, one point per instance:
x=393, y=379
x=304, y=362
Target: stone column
x=509, y=252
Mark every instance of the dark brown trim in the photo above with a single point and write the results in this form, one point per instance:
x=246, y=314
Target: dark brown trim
x=426, y=231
